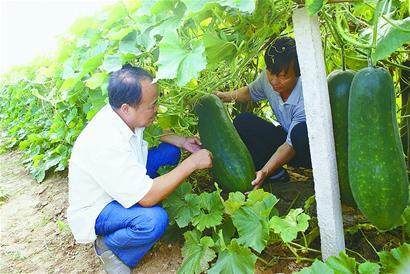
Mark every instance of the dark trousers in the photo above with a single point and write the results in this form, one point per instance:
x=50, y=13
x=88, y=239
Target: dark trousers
x=130, y=232
x=262, y=139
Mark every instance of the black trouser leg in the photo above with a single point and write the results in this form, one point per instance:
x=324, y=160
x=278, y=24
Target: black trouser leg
x=300, y=142
x=261, y=137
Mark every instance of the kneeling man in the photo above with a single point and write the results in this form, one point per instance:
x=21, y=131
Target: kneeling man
x=114, y=188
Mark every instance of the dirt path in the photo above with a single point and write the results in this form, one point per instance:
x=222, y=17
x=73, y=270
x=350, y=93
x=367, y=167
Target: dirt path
x=34, y=235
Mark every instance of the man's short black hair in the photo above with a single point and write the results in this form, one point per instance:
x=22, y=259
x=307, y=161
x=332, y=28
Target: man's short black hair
x=124, y=86
x=281, y=54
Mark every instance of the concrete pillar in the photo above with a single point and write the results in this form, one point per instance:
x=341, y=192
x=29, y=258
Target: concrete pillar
x=319, y=123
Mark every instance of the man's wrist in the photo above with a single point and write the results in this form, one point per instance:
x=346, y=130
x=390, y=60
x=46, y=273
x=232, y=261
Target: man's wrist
x=265, y=171
x=182, y=141
x=190, y=165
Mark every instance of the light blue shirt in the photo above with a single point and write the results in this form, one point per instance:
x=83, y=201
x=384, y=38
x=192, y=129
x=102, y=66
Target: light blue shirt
x=288, y=113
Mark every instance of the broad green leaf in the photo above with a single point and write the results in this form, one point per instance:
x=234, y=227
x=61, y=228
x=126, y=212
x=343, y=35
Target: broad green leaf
x=234, y=202
x=71, y=116
x=171, y=55
x=289, y=226
x=226, y=233
x=167, y=27
x=146, y=40
x=93, y=58
x=369, y=268
x=342, y=264
x=177, y=62
x=112, y=63
x=193, y=63
x=182, y=205
x=96, y=80
x=211, y=211
x=91, y=64
x=206, y=220
x=317, y=267
x=314, y=6
x=382, y=7
x=49, y=163
x=396, y=259
x=391, y=38
x=119, y=34
x=101, y=47
x=218, y=49
x=97, y=100
x=262, y=202
x=39, y=174
x=67, y=86
x=234, y=259
x=197, y=253
x=129, y=44
x=253, y=229
x=68, y=71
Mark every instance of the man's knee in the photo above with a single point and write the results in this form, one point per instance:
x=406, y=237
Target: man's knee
x=300, y=142
x=172, y=153
x=154, y=224
x=158, y=222
x=299, y=135
x=243, y=121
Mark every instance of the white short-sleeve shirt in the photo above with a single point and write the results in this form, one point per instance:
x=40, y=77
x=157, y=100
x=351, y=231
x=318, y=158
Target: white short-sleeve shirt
x=108, y=162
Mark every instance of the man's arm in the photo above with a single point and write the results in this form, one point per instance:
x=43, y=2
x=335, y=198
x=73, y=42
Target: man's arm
x=191, y=144
x=164, y=185
x=173, y=139
x=240, y=95
x=281, y=156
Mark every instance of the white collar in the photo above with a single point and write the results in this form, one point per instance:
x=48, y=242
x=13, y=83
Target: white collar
x=122, y=126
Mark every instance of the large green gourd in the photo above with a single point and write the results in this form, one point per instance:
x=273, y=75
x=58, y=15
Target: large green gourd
x=377, y=169
x=233, y=167
x=339, y=86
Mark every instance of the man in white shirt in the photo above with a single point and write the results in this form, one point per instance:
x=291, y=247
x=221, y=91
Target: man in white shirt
x=114, y=190
x=272, y=146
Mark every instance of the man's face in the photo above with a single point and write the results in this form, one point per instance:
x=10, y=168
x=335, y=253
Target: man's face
x=283, y=82
x=144, y=113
